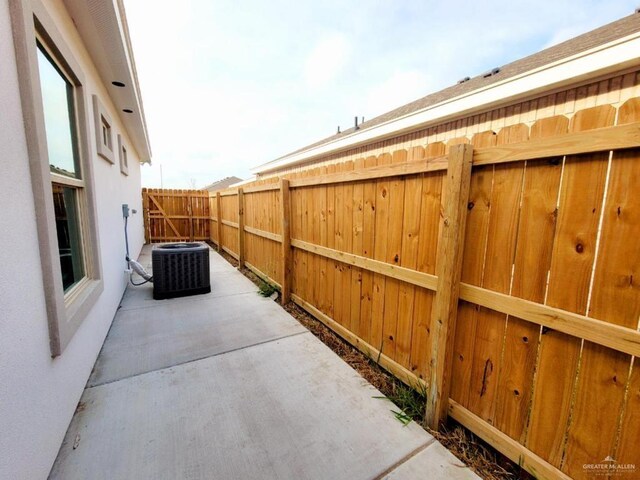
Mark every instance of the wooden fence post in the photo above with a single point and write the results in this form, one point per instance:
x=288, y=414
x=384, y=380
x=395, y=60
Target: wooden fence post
x=448, y=270
x=210, y=217
x=240, y=228
x=145, y=215
x=219, y=222
x=190, y=194
x=287, y=267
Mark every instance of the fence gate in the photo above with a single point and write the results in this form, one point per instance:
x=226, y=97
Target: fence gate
x=175, y=215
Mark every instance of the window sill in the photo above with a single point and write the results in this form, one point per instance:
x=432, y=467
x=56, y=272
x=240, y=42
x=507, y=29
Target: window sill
x=77, y=305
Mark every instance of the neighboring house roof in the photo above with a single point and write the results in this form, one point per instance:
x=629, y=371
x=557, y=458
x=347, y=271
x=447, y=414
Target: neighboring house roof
x=102, y=24
x=585, y=43
x=222, y=184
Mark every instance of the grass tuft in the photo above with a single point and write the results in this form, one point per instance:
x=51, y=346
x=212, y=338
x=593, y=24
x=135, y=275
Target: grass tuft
x=266, y=289
x=410, y=401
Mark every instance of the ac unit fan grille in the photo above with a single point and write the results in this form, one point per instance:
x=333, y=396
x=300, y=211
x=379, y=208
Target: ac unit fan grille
x=180, y=270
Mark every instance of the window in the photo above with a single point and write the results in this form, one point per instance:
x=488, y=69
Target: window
x=124, y=161
x=66, y=177
x=57, y=130
x=69, y=240
x=104, y=133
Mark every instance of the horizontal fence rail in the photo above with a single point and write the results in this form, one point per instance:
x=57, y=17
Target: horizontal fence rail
x=509, y=292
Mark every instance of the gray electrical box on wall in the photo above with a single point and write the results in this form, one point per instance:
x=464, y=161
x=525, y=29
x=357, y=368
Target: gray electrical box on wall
x=125, y=210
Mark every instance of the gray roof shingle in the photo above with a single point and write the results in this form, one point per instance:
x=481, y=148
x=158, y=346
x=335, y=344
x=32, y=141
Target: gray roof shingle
x=222, y=184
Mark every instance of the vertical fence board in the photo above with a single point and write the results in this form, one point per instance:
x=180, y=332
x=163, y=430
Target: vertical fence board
x=347, y=237
x=572, y=260
x=357, y=248
x=294, y=226
x=338, y=244
x=313, y=235
x=531, y=264
x=497, y=270
x=323, y=264
x=380, y=253
x=395, y=195
x=621, y=224
x=509, y=382
x=330, y=232
x=430, y=211
x=472, y=269
x=627, y=449
x=408, y=252
x=603, y=372
x=304, y=235
x=488, y=334
x=410, y=243
x=368, y=239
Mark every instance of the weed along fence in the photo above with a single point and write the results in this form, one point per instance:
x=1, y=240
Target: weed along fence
x=175, y=215
x=500, y=271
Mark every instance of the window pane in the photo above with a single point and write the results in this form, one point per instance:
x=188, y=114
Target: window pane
x=68, y=227
x=57, y=100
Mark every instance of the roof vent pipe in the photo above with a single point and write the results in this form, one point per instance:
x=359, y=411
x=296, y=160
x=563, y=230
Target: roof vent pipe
x=356, y=122
x=338, y=129
x=491, y=72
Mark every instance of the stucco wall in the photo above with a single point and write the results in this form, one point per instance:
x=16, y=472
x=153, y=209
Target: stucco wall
x=38, y=394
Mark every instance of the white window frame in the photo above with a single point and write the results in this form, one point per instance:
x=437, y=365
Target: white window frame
x=105, y=147
x=65, y=310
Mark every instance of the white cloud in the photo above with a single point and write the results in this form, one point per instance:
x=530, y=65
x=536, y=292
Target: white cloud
x=227, y=87
x=327, y=60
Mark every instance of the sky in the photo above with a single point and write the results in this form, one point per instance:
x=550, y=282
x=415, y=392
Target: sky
x=228, y=85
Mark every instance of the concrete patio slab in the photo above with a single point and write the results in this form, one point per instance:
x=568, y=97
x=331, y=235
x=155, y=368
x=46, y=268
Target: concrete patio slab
x=435, y=461
x=229, y=386
x=223, y=283
x=281, y=410
x=182, y=330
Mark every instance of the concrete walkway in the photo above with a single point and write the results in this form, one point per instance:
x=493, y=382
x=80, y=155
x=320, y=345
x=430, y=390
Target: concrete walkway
x=229, y=386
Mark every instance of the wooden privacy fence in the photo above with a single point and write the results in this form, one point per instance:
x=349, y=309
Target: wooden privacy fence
x=175, y=215
x=500, y=272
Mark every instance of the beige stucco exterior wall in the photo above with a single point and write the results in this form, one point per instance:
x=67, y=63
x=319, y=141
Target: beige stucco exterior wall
x=38, y=394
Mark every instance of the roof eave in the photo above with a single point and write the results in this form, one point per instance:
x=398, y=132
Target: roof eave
x=102, y=25
x=604, y=59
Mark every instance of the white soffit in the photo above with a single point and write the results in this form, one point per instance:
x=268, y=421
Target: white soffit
x=607, y=58
x=103, y=28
